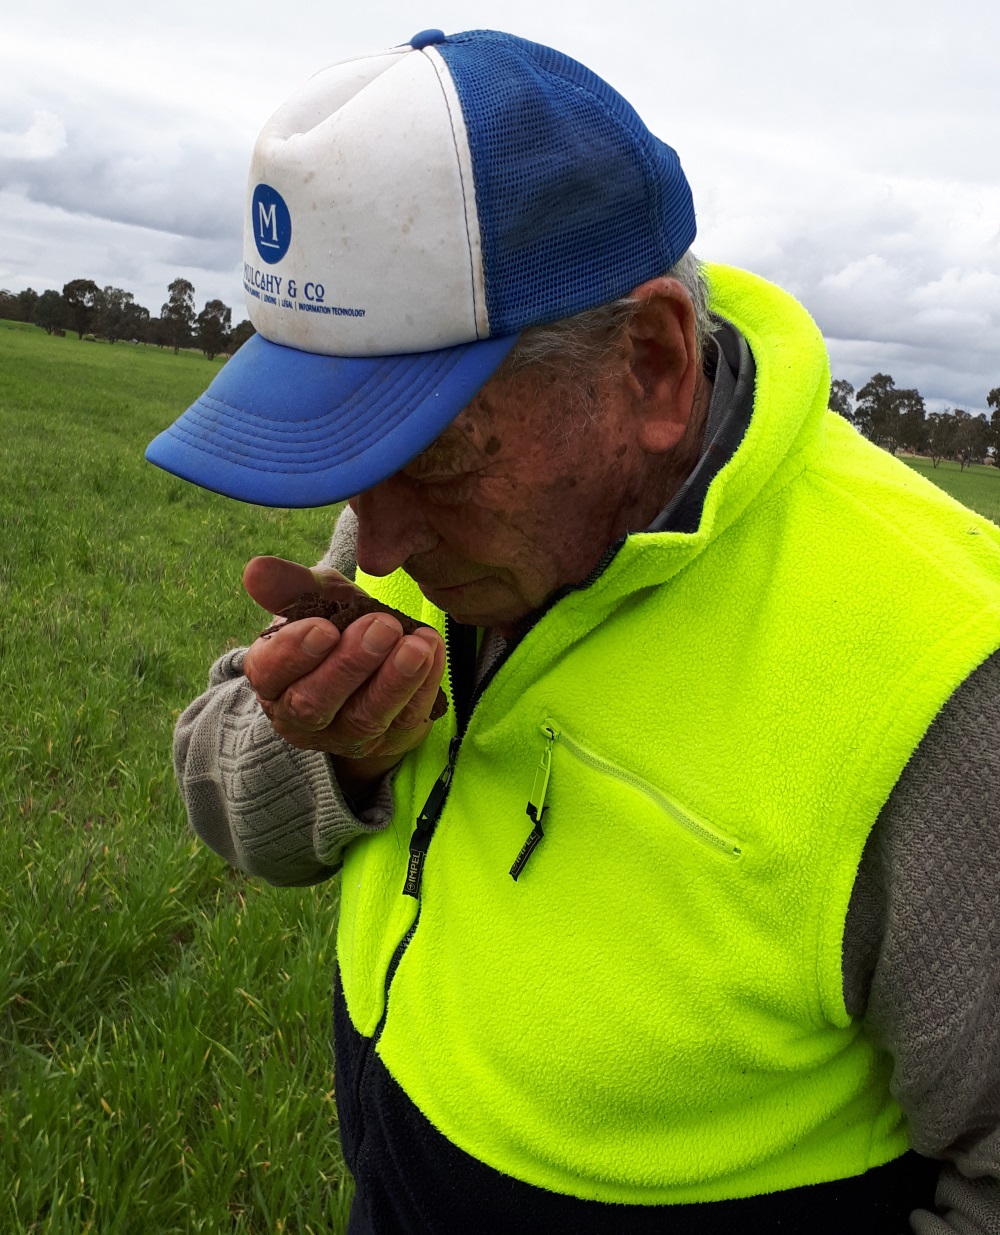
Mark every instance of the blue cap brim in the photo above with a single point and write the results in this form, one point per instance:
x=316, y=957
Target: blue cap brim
x=280, y=427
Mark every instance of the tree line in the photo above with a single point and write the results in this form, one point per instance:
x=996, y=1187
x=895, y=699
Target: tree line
x=111, y=313
x=897, y=419
x=892, y=418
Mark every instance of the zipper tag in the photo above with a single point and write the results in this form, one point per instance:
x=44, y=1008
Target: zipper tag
x=536, y=803
x=426, y=821
x=414, y=871
x=527, y=849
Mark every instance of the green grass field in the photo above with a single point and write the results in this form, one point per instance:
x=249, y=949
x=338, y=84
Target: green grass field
x=165, y=1054
x=977, y=486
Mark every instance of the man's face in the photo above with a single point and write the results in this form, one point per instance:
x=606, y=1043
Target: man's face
x=518, y=497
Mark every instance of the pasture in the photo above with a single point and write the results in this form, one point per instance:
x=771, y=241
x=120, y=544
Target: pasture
x=978, y=485
x=165, y=1056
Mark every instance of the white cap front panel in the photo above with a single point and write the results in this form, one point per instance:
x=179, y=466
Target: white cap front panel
x=357, y=236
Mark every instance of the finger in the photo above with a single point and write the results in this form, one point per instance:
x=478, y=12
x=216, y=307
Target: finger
x=332, y=585
x=402, y=684
x=418, y=710
x=271, y=665
x=312, y=701
x=275, y=583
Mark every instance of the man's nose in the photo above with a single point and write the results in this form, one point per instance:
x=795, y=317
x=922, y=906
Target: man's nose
x=391, y=527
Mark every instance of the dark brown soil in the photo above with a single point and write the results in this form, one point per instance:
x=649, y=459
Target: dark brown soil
x=342, y=613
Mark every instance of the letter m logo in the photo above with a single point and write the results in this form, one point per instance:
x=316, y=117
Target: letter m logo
x=267, y=220
x=270, y=223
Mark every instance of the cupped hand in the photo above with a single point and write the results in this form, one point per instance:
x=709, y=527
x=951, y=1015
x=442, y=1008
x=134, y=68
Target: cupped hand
x=364, y=696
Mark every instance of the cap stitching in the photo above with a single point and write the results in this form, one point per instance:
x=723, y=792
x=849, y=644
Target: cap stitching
x=389, y=386
x=461, y=180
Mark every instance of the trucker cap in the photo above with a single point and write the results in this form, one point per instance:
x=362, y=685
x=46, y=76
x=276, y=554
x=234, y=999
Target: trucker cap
x=408, y=214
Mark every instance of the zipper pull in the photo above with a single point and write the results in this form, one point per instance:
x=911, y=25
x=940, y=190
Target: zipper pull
x=536, y=803
x=426, y=821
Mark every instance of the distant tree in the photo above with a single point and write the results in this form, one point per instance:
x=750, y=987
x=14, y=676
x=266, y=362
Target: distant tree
x=889, y=417
x=214, y=323
x=27, y=301
x=241, y=332
x=117, y=316
x=177, y=314
x=158, y=332
x=50, y=311
x=876, y=412
x=912, y=424
x=981, y=438
x=842, y=398
x=960, y=446
x=109, y=313
x=18, y=306
x=10, y=309
x=942, y=436
x=993, y=400
x=81, y=296
x=140, y=323
x=971, y=437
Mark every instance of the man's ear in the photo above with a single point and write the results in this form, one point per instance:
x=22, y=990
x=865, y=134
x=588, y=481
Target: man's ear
x=663, y=363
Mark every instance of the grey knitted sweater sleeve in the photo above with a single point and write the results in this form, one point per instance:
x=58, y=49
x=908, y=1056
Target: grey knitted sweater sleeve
x=922, y=952
x=265, y=806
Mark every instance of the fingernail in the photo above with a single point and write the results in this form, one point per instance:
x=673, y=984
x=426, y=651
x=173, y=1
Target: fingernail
x=319, y=639
x=429, y=635
x=410, y=658
x=379, y=637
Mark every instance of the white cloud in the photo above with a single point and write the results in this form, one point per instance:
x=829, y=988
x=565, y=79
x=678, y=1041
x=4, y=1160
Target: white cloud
x=44, y=139
x=46, y=246
x=846, y=153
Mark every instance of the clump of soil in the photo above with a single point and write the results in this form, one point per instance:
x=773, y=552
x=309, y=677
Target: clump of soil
x=342, y=613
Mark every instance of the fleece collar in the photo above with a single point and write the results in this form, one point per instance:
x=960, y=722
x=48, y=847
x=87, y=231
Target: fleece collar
x=729, y=412
x=771, y=387
x=791, y=392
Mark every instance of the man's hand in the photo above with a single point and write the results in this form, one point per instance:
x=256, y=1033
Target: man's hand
x=364, y=696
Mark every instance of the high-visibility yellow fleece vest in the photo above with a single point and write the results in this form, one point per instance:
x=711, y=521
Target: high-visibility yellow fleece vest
x=653, y=1011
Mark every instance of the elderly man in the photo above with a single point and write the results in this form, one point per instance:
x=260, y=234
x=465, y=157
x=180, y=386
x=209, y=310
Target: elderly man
x=683, y=916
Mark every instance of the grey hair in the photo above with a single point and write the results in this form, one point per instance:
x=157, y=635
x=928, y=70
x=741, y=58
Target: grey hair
x=582, y=344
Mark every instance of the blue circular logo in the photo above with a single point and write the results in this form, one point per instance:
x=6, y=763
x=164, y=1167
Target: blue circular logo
x=271, y=223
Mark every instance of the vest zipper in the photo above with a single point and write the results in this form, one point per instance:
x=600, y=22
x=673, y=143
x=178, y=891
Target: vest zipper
x=695, y=827
x=427, y=821
x=536, y=803
x=460, y=642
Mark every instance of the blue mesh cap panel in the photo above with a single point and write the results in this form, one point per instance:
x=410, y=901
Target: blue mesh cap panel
x=578, y=202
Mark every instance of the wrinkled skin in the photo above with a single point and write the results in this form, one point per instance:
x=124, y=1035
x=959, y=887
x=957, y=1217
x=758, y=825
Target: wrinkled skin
x=364, y=696
x=518, y=497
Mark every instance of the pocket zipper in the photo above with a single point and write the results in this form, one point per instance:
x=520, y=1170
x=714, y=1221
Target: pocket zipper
x=701, y=831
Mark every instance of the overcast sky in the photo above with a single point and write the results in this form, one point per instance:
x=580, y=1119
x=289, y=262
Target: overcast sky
x=849, y=152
